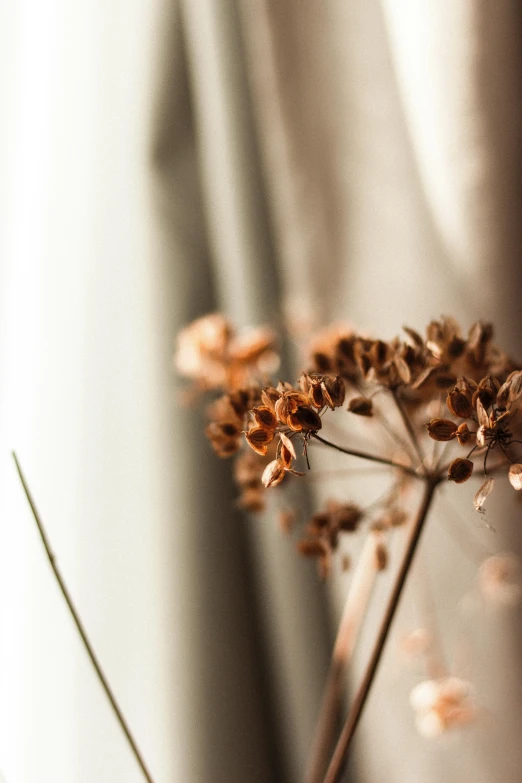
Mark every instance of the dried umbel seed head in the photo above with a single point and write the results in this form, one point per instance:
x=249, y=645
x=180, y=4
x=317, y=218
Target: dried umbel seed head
x=442, y=429
x=361, y=406
x=273, y=474
x=460, y=470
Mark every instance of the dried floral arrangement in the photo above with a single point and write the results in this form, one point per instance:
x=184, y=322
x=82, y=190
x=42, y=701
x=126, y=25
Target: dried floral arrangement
x=444, y=407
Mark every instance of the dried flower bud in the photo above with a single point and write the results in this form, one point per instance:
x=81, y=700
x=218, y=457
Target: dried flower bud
x=460, y=470
x=515, y=475
x=273, y=474
x=442, y=429
x=265, y=417
x=482, y=494
x=258, y=438
x=459, y=404
x=362, y=406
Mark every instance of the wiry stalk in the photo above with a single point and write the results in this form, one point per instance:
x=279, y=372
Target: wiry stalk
x=80, y=628
x=371, y=457
x=339, y=757
x=359, y=594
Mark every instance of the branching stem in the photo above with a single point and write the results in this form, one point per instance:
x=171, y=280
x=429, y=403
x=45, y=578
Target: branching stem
x=364, y=455
x=80, y=628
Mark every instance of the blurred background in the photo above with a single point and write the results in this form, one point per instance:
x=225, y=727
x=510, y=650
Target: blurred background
x=280, y=161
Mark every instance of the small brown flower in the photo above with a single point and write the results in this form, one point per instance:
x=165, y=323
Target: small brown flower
x=442, y=429
x=460, y=470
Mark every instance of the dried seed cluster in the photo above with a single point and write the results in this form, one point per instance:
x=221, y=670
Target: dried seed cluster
x=372, y=380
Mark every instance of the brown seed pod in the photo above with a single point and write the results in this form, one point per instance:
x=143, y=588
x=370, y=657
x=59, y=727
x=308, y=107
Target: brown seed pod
x=361, y=406
x=265, y=417
x=305, y=418
x=270, y=396
x=334, y=391
x=258, y=438
x=459, y=404
x=442, y=429
x=460, y=470
x=273, y=474
x=464, y=433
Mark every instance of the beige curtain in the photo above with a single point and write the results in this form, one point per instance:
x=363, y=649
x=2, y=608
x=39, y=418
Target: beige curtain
x=280, y=161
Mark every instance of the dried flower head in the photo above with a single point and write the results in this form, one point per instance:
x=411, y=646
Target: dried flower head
x=441, y=705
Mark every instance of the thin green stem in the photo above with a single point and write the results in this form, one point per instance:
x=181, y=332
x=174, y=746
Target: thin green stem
x=339, y=757
x=80, y=628
x=364, y=455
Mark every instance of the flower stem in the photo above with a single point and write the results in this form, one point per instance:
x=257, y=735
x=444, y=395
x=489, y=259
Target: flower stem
x=339, y=757
x=80, y=628
x=371, y=457
x=357, y=600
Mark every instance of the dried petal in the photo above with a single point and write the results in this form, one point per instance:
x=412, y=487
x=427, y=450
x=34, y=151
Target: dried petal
x=362, y=406
x=482, y=494
x=403, y=371
x=270, y=396
x=481, y=436
x=460, y=470
x=515, y=389
x=515, y=475
x=285, y=440
x=442, y=429
x=273, y=474
x=482, y=416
